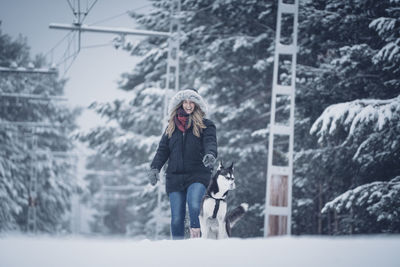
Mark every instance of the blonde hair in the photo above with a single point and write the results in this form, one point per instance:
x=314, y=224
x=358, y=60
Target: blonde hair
x=196, y=117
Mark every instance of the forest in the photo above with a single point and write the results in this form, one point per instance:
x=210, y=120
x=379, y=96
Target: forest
x=347, y=120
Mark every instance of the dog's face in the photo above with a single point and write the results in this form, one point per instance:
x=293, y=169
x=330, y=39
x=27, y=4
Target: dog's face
x=226, y=179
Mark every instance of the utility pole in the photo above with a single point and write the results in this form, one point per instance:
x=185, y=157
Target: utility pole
x=30, y=135
x=172, y=78
x=278, y=200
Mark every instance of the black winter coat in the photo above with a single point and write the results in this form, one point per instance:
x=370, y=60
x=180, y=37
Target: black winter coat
x=185, y=153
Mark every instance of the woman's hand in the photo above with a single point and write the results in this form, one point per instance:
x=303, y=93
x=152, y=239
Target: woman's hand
x=153, y=176
x=209, y=160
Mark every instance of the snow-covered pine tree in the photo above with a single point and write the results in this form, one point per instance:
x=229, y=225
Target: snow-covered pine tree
x=349, y=61
x=227, y=48
x=108, y=193
x=130, y=140
x=369, y=208
x=226, y=52
x=18, y=159
x=388, y=56
x=373, y=127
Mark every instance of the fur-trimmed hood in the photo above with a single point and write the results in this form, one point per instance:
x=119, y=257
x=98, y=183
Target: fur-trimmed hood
x=188, y=94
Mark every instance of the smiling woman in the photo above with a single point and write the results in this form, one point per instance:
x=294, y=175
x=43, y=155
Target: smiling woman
x=190, y=146
x=188, y=106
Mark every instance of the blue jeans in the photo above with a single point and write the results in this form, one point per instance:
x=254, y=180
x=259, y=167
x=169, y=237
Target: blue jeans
x=193, y=195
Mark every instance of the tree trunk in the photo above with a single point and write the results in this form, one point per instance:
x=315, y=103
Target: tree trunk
x=336, y=230
x=319, y=208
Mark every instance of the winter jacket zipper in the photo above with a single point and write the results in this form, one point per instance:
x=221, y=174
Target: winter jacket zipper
x=183, y=149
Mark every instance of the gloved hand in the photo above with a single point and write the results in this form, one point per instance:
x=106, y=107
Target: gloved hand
x=153, y=176
x=209, y=160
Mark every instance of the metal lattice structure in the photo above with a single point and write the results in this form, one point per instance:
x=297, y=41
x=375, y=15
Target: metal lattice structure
x=33, y=185
x=171, y=85
x=278, y=207
x=28, y=131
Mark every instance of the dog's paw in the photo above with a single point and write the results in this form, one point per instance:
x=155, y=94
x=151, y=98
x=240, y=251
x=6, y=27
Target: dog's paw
x=245, y=206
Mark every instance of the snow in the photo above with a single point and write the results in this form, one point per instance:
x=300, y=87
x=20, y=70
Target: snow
x=356, y=114
x=378, y=198
x=383, y=25
x=261, y=65
x=308, y=251
x=304, y=202
x=241, y=41
x=389, y=51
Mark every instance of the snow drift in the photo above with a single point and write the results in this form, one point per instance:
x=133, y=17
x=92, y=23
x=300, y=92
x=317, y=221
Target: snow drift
x=279, y=251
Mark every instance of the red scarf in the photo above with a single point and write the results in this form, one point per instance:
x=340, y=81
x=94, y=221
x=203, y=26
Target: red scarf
x=181, y=119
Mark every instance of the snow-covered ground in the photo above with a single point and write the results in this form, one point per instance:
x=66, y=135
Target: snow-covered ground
x=374, y=251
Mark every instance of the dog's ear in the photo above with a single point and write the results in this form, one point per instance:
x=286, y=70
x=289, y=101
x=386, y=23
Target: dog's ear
x=231, y=167
x=220, y=165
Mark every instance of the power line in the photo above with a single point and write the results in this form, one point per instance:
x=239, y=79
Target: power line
x=118, y=15
x=89, y=9
x=70, y=65
x=67, y=55
x=57, y=44
x=109, y=18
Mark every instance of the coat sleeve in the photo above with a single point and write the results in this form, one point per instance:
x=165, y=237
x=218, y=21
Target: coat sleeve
x=162, y=153
x=210, y=139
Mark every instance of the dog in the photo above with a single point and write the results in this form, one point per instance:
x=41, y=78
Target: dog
x=215, y=223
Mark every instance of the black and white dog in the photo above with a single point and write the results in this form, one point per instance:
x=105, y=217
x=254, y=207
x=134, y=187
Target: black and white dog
x=215, y=223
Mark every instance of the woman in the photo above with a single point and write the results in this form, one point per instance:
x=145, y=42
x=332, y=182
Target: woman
x=190, y=146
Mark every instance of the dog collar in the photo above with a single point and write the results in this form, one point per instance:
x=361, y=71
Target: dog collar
x=223, y=198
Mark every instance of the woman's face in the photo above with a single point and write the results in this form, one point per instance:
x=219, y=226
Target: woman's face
x=188, y=106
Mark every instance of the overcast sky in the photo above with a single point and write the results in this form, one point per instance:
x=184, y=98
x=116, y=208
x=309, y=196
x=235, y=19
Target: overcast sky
x=94, y=74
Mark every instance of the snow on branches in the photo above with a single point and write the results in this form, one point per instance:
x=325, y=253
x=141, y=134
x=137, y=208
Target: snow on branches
x=388, y=56
x=366, y=115
x=371, y=126
x=377, y=200
x=387, y=30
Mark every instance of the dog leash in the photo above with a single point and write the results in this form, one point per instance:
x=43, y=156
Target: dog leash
x=216, y=208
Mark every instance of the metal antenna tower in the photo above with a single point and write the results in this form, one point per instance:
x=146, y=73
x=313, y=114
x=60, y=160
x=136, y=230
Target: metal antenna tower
x=278, y=200
x=30, y=135
x=33, y=186
x=171, y=82
x=80, y=16
x=172, y=77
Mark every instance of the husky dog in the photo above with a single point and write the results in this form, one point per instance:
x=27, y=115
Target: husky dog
x=215, y=223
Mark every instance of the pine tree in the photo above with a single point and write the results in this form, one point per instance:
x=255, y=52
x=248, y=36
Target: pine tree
x=347, y=52
x=128, y=147
x=369, y=208
x=225, y=52
x=20, y=159
x=344, y=62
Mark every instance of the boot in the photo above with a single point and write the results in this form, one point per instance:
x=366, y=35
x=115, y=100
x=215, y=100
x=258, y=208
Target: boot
x=194, y=232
